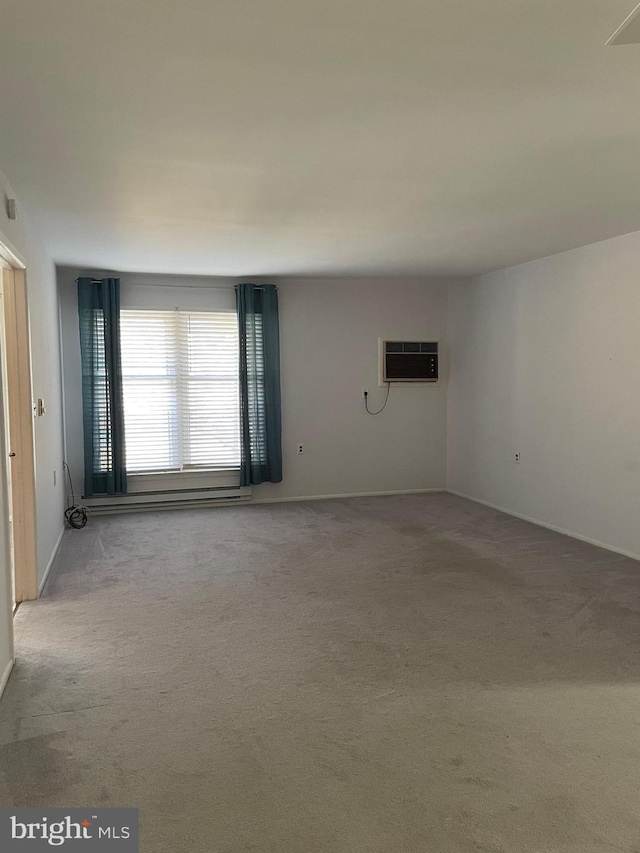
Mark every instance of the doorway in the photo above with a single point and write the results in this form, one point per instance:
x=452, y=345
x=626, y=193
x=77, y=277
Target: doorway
x=17, y=472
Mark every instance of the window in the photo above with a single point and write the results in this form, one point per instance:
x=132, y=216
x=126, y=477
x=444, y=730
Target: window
x=181, y=390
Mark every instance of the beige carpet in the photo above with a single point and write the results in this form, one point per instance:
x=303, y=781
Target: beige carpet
x=384, y=675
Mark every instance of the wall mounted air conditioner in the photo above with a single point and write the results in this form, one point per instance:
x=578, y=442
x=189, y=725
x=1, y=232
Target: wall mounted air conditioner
x=409, y=361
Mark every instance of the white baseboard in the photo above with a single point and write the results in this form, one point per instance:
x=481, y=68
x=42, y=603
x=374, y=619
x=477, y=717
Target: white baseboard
x=45, y=576
x=5, y=675
x=553, y=527
x=219, y=502
x=346, y=495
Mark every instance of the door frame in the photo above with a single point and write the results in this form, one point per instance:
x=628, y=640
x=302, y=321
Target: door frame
x=19, y=421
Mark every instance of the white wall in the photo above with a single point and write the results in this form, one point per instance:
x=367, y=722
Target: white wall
x=545, y=360
x=45, y=356
x=45, y=352
x=329, y=331
x=329, y=350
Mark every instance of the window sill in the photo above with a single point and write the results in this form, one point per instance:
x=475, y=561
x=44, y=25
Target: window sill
x=180, y=480
x=190, y=472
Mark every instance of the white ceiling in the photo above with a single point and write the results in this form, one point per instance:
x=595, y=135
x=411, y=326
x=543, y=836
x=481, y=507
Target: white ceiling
x=319, y=136
x=629, y=30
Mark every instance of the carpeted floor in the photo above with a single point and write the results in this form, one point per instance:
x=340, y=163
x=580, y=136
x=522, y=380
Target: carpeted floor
x=414, y=673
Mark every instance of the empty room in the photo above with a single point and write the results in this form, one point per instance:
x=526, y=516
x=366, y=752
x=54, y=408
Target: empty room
x=319, y=426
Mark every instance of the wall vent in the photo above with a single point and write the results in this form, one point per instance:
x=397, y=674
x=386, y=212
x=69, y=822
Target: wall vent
x=409, y=361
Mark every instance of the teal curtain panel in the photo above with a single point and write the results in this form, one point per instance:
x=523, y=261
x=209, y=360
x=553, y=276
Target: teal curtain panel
x=260, y=407
x=102, y=407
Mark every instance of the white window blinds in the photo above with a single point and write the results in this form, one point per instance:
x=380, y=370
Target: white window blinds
x=181, y=390
x=102, y=449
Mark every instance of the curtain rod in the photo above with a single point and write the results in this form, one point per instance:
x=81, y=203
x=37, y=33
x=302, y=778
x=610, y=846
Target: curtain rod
x=161, y=284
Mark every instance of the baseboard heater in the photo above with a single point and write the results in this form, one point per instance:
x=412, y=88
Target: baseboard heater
x=170, y=499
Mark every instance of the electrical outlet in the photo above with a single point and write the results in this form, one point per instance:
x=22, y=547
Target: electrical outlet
x=517, y=458
x=300, y=449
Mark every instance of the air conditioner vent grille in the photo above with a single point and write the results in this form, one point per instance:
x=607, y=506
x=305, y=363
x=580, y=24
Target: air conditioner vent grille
x=410, y=361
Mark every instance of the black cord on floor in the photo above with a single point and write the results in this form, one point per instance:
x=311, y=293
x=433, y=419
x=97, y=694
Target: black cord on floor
x=76, y=515
x=386, y=400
